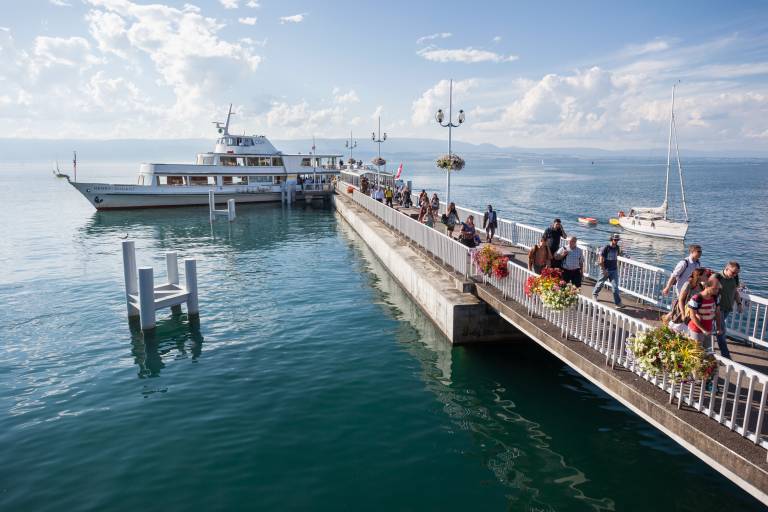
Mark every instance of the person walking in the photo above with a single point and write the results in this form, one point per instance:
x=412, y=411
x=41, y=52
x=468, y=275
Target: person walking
x=572, y=260
x=539, y=257
x=677, y=319
x=683, y=270
x=429, y=217
x=609, y=263
x=451, y=219
x=422, y=213
x=423, y=197
x=388, y=197
x=553, y=234
x=435, y=202
x=490, y=224
x=704, y=310
x=729, y=294
x=407, y=201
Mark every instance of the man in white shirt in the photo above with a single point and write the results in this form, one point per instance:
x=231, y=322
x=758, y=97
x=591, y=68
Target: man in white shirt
x=683, y=270
x=572, y=258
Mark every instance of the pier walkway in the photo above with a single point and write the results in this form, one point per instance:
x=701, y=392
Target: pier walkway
x=724, y=425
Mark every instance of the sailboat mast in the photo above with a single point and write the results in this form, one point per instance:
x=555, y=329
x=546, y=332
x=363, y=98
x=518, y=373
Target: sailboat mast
x=669, y=153
x=680, y=173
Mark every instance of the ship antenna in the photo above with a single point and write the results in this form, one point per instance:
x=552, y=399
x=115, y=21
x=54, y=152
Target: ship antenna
x=224, y=130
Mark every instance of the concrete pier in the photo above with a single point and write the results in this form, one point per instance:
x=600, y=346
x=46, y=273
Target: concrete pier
x=442, y=295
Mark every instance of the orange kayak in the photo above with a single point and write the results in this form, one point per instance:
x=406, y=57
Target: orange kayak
x=588, y=220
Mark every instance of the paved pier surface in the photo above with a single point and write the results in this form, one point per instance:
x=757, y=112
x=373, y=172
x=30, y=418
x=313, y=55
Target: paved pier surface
x=734, y=456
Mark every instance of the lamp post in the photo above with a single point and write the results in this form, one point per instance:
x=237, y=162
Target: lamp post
x=378, y=139
x=450, y=125
x=351, y=144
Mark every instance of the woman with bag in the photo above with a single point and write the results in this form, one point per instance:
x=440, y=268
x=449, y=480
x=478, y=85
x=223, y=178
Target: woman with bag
x=468, y=235
x=677, y=319
x=451, y=219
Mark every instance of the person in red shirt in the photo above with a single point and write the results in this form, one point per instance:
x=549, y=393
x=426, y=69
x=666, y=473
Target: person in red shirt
x=704, y=308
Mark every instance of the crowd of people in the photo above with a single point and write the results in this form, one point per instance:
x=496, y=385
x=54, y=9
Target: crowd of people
x=704, y=299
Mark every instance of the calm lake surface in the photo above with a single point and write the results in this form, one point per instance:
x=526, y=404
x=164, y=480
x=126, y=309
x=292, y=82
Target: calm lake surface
x=312, y=382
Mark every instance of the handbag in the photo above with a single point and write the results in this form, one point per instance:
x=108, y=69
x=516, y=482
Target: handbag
x=444, y=219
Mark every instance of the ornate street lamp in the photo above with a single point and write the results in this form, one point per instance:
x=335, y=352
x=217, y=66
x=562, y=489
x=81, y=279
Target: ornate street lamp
x=440, y=117
x=378, y=139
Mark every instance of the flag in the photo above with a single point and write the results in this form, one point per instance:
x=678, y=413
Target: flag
x=399, y=172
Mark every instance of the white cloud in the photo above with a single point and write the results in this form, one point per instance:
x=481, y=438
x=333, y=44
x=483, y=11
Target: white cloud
x=253, y=4
x=250, y=20
x=377, y=113
x=496, y=39
x=439, y=35
x=466, y=55
x=345, y=98
x=299, y=119
x=229, y=4
x=183, y=45
x=73, y=52
x=423, y=109
x=296, y=18
x=60, y=3
x=656, y=45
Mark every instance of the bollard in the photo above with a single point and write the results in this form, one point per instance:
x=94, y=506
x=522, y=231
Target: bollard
x=129, y=274
x=172, y=265
x=147, y=298
x=190, y=275
x=231, y=210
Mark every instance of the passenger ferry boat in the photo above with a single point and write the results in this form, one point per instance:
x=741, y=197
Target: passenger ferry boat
x=246, y=168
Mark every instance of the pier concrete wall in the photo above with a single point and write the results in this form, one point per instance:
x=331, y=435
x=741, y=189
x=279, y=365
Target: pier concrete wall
x=461, y=316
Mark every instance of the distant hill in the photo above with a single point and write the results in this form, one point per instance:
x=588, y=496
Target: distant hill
x=184, y=150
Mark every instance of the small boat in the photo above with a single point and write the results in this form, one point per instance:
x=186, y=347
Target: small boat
x=588, y=220
x=655, y=221
x=614, y=221
x=57, y=172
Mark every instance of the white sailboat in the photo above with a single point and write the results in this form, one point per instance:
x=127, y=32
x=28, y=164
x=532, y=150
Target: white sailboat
x=654, y=221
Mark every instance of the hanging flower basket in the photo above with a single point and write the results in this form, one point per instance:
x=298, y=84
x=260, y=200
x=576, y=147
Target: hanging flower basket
x=553, y=291
x=662, y=350
x=491, y=262
x=452, y=162
x=378, y=161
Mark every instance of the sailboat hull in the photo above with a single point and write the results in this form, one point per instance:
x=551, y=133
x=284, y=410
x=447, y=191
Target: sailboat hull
x=655, y=227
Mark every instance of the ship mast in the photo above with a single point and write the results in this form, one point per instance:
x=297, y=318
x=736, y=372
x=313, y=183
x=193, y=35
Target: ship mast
x=669, y=154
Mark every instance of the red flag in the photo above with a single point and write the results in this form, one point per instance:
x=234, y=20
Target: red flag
x=399, y=172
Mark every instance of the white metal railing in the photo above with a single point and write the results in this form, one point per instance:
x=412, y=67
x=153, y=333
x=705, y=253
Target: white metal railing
x=636, y=278
x=737, y=398
x=450, y=252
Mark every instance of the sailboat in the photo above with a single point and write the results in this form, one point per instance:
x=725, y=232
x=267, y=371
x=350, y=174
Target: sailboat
x=655, y=221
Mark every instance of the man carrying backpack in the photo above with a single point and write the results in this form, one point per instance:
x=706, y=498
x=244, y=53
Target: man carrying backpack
x=683, y=270
x=490, y=223
x=729, y=293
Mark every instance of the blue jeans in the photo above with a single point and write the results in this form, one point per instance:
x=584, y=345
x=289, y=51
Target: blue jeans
x=613, y=276
x=721, y=343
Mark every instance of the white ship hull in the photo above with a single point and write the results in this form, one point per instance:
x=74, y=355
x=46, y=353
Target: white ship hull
x=113, y=197
x=657, y=227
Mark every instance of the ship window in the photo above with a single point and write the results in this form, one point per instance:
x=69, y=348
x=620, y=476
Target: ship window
x=265, y=161
x=171, y=180
x=277, y=161
x=228, y=160
x=202, y=180
x=259, y=179
x=251, y=161
x=234, y=180
x=306, y=162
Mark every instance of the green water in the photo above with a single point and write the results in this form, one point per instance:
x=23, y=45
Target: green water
x=312, y=382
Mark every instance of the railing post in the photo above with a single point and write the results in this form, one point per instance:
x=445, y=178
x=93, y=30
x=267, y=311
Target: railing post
x=190, y=276
x=172, y=266
x=147, y=298
x=129, y=274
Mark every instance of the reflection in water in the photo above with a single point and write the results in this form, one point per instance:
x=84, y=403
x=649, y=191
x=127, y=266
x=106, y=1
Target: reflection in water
x=173, y=337
x=516, y=450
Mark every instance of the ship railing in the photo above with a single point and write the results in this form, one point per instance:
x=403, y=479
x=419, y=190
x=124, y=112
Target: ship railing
x=446, y=250
x=636, y=278
x=737, y=398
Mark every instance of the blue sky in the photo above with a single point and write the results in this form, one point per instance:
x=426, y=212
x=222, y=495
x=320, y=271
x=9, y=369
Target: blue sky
x=543, y=74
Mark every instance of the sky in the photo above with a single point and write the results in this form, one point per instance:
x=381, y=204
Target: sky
x=533, y=74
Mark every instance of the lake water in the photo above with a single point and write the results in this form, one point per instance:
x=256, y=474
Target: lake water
x=312, y=382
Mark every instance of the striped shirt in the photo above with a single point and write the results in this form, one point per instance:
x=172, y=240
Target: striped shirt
x=706, y=307
x=573, y=258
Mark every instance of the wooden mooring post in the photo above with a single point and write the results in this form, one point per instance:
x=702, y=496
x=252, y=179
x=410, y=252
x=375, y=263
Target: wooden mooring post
x=143, y=298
